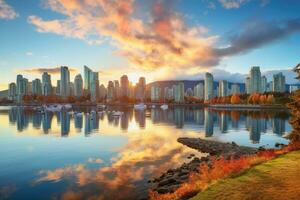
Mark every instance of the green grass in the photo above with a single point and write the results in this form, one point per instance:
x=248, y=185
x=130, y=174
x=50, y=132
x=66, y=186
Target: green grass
x=278, y=179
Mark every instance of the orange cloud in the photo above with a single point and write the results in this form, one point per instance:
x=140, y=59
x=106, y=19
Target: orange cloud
x=6, y=11
x=161, y=40
x=40, y=70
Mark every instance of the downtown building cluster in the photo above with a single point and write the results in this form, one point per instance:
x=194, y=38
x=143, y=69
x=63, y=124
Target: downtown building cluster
x=81, y=86
x=124, y=90
x=207, y=89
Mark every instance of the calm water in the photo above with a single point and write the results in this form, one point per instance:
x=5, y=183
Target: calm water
x=99, y=156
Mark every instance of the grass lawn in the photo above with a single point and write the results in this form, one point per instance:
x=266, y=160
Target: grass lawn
x=278, y=179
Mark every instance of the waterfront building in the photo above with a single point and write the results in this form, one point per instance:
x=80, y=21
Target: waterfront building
x=22, y=87
x=124, y=86
x=116, y=89
x=46, y=84
x=64, y=81
x=140, y=89
x=110, y=91
x=255, y=80
x=36, y=87
x=248, y=85
x=264, y=84
x=102, y=92
x=209, y=86
x=179, y=93
x=223, y=88
x=94, y=86
x=293, y=88
x=57, y=91
x=235, y=89
x=199, y=91
x=12, y=91
x=88, y=73
x=189, y=92
x=278, y=82
x=155, y=93
x=78, y=85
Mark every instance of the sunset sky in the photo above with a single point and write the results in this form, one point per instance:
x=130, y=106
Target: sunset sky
x=159, y=39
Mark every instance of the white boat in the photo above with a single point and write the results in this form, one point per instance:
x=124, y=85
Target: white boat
x=140, y=106
x=101, y=106
x=153, y=106
x=164, y=106
x=117, y=113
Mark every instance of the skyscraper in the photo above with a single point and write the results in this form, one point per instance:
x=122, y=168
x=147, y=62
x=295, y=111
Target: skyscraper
x=140, y=89
x=264, y=84
x=209, y=86
x=155, y=93
x=78, y=86
x=223, y=88
x=179, y=93
x=64, y=81
x=235, y=89
x=124, y=86
x=57, y=87
x=94, y=86
x=279, y=82
x=199, y=91
x=116, y=89
x=12, y=91
x=110, y=91
x=36, y=87
x=189, y=92
x=87, y=78
x=22, y=87
x=46, y=84
x=255, y=80
x=248, y=85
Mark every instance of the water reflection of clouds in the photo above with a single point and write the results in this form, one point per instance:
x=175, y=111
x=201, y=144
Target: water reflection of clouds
x=144, y=156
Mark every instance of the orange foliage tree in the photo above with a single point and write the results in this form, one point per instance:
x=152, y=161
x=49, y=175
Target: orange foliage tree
x=235, y=99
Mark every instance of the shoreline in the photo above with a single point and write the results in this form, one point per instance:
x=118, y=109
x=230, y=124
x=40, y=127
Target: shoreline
x=211, y=106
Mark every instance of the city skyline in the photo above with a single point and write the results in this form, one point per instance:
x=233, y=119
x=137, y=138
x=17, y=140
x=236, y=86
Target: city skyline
x=48, y=39
x=122, y=90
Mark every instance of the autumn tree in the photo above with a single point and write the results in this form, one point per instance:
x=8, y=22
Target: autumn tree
x=270, y=99
x=294, y=106
x=235, y=99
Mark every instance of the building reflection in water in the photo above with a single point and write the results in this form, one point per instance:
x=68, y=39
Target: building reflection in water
x=203, y=119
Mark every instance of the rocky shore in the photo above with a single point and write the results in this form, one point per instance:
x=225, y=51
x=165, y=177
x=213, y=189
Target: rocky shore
x=173, y=178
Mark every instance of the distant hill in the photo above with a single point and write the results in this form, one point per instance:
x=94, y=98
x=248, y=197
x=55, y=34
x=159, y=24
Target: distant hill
x=3, y=93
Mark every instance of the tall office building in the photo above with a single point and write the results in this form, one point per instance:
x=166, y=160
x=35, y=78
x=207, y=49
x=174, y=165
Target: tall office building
x=155, y=93
x=78, y=86
x=141, y=89
x=46, y=84
x=279, y=82
x=116, y=89
x=235, y=89
x=64, y=81
x=94, y=86
x=255, y=80
x=179, y=93
x=189, y=92
x=248, y=85
x=57, y=88
x=36, y=87
x=124, y=86
x=87, y=78
x=102, y=92
x=264, y=84
x=223, y=88
x=199, y=91
x=12, y=91
x=110, y=91
x=209, y=86
x=22, y=87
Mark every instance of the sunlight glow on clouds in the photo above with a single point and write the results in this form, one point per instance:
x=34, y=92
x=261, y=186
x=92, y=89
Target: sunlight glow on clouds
x=6, y=11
